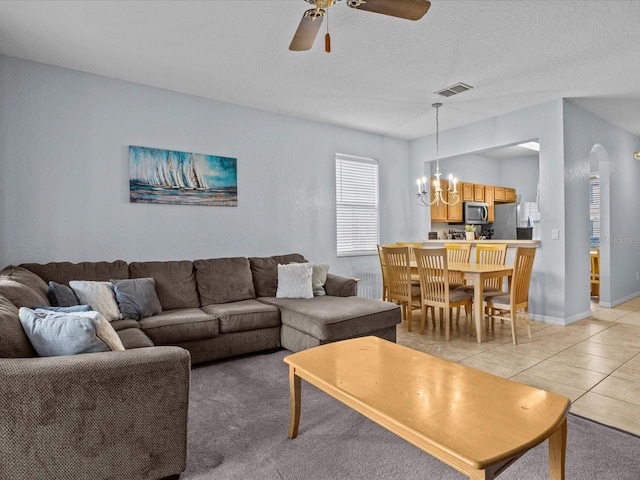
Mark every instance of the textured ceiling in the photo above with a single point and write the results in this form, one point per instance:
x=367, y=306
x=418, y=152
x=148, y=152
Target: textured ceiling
x=382, y=73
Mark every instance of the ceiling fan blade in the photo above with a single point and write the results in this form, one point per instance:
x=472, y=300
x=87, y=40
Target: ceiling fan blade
x=307, y=30
x=408, y=9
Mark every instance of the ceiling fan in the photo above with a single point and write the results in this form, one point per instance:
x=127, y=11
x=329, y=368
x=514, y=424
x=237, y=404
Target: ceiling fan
x=312, y=19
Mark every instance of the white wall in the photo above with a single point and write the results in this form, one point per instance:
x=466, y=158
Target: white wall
x=64, y=138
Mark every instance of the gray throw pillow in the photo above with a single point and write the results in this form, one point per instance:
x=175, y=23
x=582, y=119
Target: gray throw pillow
x=137, y=297
x=319, y=278
x=61, y=295
x=71, y=309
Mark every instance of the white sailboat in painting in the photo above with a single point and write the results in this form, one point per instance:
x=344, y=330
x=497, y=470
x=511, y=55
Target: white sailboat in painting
x=184, y=176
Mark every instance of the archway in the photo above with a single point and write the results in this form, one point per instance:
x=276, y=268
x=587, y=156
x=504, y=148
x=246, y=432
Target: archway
x=599, y=164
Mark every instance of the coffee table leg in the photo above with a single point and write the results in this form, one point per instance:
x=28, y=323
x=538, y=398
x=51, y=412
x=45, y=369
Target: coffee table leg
x=558, y=451
x=294, y=392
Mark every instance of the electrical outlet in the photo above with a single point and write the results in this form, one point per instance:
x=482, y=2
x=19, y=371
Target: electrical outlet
x=555, y=234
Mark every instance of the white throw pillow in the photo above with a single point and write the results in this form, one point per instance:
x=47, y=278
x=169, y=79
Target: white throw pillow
x=294, y=281
x=68, y=333
x=99, y=295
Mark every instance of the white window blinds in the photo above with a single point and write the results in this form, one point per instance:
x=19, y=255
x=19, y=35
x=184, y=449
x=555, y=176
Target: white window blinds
x=356, y=206
x=594, y=210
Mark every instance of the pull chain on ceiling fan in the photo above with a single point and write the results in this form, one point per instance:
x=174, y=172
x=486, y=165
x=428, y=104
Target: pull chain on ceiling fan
x=312, y=19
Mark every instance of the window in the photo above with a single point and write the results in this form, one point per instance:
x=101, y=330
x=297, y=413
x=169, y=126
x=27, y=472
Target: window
x=356, y=206
x=594, y=210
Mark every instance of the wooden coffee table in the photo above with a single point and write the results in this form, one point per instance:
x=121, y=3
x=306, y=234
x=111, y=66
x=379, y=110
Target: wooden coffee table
x=473, y=421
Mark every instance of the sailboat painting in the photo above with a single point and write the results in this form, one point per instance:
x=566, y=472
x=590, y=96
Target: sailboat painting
x=173, y=177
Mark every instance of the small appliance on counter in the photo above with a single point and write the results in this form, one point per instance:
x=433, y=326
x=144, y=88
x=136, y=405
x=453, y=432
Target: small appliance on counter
x=433, y=235
x=486, y=233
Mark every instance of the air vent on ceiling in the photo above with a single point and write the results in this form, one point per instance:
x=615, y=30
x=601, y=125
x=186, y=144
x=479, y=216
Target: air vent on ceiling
x=454, y=89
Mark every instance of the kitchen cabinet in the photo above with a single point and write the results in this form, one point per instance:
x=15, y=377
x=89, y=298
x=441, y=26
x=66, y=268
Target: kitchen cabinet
x=478, y=193
x=489, y=193
x=439, y=210
x=444, y=212
x=467, y=192
x=500, y=195
x=454, y=213
x=510, y=194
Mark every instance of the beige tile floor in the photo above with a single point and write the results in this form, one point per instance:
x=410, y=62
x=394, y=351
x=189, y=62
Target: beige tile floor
x=595, y=362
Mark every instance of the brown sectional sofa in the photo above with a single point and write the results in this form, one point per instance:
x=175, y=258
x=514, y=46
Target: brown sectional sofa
x=76, y=417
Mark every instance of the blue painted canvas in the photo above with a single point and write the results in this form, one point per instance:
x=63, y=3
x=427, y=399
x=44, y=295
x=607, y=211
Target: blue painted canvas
x=173, y=177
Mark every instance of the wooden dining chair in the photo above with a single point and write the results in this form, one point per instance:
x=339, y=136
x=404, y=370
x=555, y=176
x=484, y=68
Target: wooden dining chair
x=401, y=288
x=434, y=287
x=385, y=276
x=489, y=254
x=506, y=306
x=595, y=273
x=457, y=253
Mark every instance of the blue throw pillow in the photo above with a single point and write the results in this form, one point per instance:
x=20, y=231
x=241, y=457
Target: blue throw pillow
x=56, y=333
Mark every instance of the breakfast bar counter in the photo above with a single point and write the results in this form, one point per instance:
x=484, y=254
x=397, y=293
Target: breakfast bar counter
x=510, y=243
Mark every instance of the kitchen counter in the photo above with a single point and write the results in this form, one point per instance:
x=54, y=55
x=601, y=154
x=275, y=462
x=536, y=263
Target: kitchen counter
x=510, y=243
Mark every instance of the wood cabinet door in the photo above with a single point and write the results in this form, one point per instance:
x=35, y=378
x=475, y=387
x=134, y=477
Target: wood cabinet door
x=488, y=198
x=439, y=211
x=510, y=194
x=467, y=192
x=499, y=194
x=454, y=212
x=478, y=193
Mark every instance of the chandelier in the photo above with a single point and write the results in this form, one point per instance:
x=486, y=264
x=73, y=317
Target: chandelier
x=438, y=194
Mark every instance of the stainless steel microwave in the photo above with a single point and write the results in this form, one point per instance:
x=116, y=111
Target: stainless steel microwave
x=475, y=213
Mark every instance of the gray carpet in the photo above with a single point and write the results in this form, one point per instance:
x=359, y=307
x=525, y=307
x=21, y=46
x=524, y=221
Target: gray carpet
x=239, y=417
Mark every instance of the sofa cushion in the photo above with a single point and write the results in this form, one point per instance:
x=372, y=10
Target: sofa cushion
x=133, y=338
x=26, y=277
x=182, y=325
x=294, y=281
x=20, y=294
x=265, y=272
x=61, y=296
x=124, y=324
x=14, y=343
x=56, y=333
x=244, y=315
x=223, y=280
x=64, y=272
x=335, y=318
x=137, y=297
x=99, y=295
x=175, y=282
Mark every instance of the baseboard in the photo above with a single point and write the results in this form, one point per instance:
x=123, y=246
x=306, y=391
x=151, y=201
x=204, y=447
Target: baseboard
x=561, y=321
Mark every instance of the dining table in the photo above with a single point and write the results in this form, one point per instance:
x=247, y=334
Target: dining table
x=477, y=273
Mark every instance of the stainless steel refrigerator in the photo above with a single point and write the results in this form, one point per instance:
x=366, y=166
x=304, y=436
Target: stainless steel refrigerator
x=505, y=221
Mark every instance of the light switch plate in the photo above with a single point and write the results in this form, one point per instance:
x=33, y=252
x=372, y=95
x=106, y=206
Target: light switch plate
x=555, y=234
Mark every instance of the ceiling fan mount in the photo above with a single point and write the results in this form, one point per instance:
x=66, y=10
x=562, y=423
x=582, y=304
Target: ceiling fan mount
x=312, y=19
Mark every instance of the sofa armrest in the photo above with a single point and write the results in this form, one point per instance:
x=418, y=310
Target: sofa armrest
x=338, y=286
x=97, y=415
